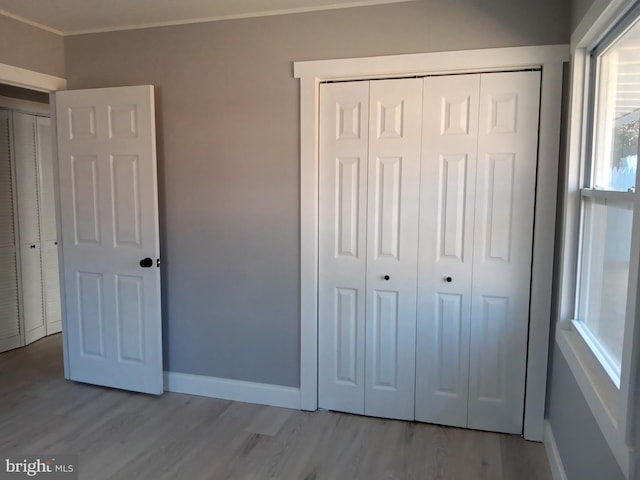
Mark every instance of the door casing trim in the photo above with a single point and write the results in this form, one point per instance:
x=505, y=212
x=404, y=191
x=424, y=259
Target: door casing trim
x=548, y=58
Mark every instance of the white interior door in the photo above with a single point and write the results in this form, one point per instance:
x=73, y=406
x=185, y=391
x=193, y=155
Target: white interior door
x=110, y=245
x=392, y=246
x=344, y=145
x=505, y=199
x=10, y=336
x=447, y=205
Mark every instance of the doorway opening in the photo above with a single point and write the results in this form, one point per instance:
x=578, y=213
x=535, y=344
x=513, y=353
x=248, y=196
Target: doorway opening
x=30, y=293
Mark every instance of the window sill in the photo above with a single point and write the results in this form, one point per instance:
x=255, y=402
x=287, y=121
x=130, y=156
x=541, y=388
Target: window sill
x=605, y=360
x=599, y=391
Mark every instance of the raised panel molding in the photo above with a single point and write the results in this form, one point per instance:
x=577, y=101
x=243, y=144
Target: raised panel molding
x=82, y=122
x=385, y=325
x=89, y=293
x=347, y=206
x=123, y=121
x=84, y=184
x=130, y=319
x=387, y=218
x=346, y=324
x=125, y=196
x=499, y=221
x=503, y=113
x=390, y=120
x=491, y=363
x=449, y=343
x=348, y=121
x=452, y=207
x=455, y=116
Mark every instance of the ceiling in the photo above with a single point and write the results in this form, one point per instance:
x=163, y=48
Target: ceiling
x=68, y=17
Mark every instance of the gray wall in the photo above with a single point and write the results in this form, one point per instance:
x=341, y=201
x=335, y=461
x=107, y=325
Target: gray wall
x=228, y=125
x=578, y=10
x=24, y=46
x=584, y=450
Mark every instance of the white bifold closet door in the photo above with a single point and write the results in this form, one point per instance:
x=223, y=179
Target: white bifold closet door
x=10, y=336
x=449, y=157
x=478, y=195
x=369, y=185
x=427, y=193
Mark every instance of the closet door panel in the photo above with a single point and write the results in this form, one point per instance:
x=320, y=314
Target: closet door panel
x=392, y=243
x=48, y=228
x=45, y=170
x=51, y=280
x=32, y=300
x=505, y=197
x=449, y=146
x=9, y=310
x=26, y=177
x=342, y=245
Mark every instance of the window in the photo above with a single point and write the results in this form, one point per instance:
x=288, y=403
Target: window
x=598, y=332
x=608, y=195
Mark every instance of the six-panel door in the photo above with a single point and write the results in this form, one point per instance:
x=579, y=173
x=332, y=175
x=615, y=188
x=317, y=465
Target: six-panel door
x=109, y=217
x=447, y=205
x=476, y=191
x=369, y=177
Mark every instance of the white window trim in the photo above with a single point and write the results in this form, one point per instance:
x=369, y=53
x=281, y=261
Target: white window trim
x=550, y=59
x=610, y=406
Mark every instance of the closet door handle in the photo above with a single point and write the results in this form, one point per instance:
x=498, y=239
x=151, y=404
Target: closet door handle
x=32, y=246
x=448, y=279
x=386, y=277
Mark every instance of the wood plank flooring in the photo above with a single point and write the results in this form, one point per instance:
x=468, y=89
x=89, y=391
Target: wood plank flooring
x=125, y=436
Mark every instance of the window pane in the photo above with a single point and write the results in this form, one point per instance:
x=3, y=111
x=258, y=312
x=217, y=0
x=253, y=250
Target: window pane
x=605, y=272
x=618, y=114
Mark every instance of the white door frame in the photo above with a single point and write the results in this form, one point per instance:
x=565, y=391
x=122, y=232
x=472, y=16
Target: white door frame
x=42, y=82
x=311, y=73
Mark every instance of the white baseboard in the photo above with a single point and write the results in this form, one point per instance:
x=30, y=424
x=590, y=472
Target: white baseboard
x=555, y=461
x=238, y=390
x=54, y=327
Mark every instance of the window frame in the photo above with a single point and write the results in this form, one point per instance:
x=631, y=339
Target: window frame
x=610, y=403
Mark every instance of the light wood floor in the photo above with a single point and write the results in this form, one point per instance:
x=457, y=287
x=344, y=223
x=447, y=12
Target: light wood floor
x=121, y=435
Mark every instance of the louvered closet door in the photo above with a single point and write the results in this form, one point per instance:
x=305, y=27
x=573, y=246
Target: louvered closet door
x=28, y=210
x=447, y=201
x=48, y=230
x=505, y=198
x=9, y=311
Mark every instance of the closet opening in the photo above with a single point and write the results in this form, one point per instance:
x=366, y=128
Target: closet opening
x=30, y=307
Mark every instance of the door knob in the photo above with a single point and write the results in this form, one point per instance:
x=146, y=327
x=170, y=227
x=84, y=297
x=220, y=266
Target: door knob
x=146, y=262
x=448, y=279
x=386, y=277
